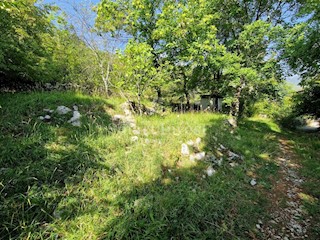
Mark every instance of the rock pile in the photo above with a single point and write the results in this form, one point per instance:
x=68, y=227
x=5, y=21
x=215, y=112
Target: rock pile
x=215, y=158
x=63, y=110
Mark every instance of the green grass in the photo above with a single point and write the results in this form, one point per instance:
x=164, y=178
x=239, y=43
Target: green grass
x=93, y=182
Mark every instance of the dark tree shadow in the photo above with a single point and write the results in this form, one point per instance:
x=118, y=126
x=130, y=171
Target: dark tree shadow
x=39, y=158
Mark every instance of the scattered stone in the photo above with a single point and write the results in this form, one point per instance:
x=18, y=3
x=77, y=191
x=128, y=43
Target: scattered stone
x=41, y=118
x=253, y=182
x=203, y=176
x=76, y=123
x=222, y=147
x=233, y=164
x=75, y=108
x=233, y=155
x=47, y=117
x=48, y=110
x=198, y=141
x=75, y=120
x=210, y=171
x=134, y=138
x=258, y=226
x=199, y=156
x=62, y=110
x=185, y=149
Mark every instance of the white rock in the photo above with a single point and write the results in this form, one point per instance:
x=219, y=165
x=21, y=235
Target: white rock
x=117, y=117
x=134, y=138
x=76, y=123
x=198, y=141
x=75, y=118
x=258, y=226
x=41, y=118
x=200, y=155
x=48, y=110
x=233, y=155
x=233, y=164
x=210, y=171
x=63, y=110
x=192, y=157
x=253, y=182
x=184, y=149
x=222, y=147
x=47, y=117
x=75, y=108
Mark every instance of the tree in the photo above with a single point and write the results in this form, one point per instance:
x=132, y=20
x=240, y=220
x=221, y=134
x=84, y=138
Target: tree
x=301, y=51
x=22, y=55
x=137, y=72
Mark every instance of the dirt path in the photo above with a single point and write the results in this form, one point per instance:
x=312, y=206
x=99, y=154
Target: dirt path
x=288, y=219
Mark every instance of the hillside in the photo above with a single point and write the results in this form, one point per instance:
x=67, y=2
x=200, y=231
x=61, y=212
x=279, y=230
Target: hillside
x=105, y=180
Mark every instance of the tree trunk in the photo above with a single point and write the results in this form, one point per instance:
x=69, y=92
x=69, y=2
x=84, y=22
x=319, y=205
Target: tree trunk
x=186, y=93
x=235, y=108
x=159, y=94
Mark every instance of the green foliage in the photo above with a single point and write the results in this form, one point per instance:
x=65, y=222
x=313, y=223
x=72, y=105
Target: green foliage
x=22, y=54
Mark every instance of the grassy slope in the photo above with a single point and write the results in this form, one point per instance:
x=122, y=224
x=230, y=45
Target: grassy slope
x=94, y=182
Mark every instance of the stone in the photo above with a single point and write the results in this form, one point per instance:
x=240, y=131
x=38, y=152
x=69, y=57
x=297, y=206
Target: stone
x=258, y=226
x=233, y=155
x=134, y=138
x=253, y=182
x=199, y=156
x=41, y=118
x=210, y=171
x=62, y=110
x=75, y=120
x=75, y=108
x=185, y=149
x=233, y=164
x=222, y=147
x=192, y=157
x=198, y=141
x=76, y=123
x=48, y=110
x=47, y=117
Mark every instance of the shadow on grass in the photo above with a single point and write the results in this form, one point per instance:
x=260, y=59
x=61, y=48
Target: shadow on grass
x=39, y=158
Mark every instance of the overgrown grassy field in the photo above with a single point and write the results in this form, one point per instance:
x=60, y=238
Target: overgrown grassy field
x=94, y=182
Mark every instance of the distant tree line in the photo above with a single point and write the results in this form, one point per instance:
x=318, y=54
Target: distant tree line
x=177, y=49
